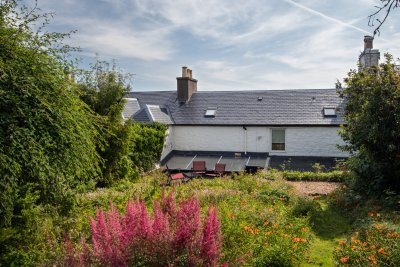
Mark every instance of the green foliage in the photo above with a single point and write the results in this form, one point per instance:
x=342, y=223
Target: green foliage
x=305, y=207
x=375, y=245
x=147, y=145
x=332, y=176
x=47, y=134
x=373, y=127
x=103, y=89
x=129, y=148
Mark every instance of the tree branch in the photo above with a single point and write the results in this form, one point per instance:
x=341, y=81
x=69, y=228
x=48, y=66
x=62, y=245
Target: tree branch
x=386, y=8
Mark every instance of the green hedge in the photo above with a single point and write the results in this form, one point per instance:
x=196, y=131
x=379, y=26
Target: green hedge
x=333, y=176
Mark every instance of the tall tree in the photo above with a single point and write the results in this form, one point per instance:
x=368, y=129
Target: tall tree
x=373, y=126
x=47, y=134
x=103, y=89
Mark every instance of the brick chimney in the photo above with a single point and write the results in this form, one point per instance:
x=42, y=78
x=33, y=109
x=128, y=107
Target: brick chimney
x=186, y=85
x=369, y=57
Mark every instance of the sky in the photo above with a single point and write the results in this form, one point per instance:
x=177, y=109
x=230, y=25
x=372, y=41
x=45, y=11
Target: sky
x=229, y=44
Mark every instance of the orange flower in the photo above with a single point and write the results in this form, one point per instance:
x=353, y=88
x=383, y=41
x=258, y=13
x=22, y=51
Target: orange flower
x=344, y=259
x=304, y=229
x=372, y=258
x=299, y=240
x=381, y=251
x=393, y=234
x=371, y=214
x=342, y=242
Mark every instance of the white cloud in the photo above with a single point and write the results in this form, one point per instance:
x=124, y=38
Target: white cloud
x=123, y=42
x=230, y=45
x=324, y=16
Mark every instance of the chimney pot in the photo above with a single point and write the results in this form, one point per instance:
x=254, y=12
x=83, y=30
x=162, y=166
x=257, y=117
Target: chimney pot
x=184, y=72
x=186, y=85
x=369, y=57
x=368, y=42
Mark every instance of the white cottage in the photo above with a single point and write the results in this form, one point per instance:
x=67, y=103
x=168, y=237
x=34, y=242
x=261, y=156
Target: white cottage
x=246, y=128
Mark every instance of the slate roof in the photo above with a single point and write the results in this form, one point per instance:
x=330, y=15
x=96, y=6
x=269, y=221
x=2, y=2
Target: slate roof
x=132, y=106
x=159, y=114
x=141, y=116
x=276, y=107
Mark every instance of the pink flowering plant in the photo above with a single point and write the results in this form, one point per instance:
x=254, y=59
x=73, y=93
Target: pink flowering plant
x=173, y=235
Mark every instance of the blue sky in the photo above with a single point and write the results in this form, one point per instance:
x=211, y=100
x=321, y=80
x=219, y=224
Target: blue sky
x=229, y=45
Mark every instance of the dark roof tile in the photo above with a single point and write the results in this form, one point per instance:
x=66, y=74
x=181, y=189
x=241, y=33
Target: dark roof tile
x=277, y=107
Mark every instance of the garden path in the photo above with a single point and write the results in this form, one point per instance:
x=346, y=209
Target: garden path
x=313, y=188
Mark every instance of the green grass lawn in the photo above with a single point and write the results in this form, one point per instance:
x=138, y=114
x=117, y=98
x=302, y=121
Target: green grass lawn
x=329, y=226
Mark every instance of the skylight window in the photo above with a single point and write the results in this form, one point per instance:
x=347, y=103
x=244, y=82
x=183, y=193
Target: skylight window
x=329, y=112
x=210, y=112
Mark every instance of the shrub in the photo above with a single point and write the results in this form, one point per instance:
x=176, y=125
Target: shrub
x=372, y=133
x=305, y=207
x=333, y=176
x=47, y=134
x=377, y=245
x=173, y=235
x=274, y=196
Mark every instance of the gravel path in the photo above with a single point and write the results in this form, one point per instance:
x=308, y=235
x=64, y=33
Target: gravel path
x=313, y=188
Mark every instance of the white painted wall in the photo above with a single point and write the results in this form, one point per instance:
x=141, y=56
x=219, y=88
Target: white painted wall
x=206, y=138
x=300, y=141
x=168, y=145
x=312, y=141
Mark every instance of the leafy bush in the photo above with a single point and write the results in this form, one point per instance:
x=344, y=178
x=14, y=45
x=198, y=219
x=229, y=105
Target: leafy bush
x=305, y=207
x=174, y=235
x=377, y=245
x=127, y=149
x=274, y=196
x=372, y=133
x=47, y=134
x=147, y=145
x=333, y=176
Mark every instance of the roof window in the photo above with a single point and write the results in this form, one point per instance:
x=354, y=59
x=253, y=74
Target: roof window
x=329, y=112
x=210, y=112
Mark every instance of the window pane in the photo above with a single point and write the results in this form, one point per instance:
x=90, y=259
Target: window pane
x=278, y=139
x=329, y=112
x=277, y=146
x=278, y=136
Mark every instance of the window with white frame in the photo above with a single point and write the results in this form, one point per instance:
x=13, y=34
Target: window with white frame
x=278, y=139
x=210, y=112
x=329, y=112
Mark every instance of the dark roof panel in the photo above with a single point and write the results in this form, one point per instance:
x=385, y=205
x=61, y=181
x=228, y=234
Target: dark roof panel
x=142, y=116
x=261, y=107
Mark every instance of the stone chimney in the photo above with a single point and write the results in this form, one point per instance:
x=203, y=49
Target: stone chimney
x=369, y=57
x=186, y=85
